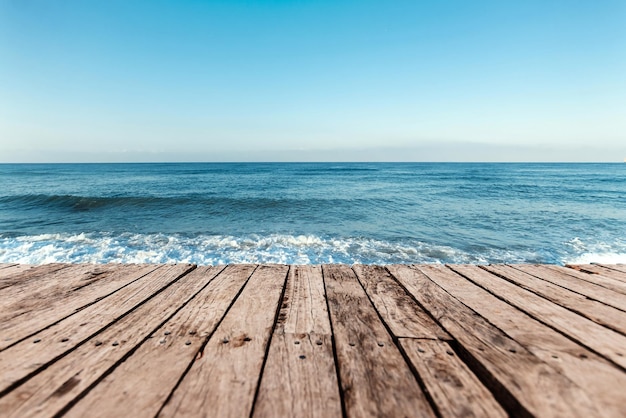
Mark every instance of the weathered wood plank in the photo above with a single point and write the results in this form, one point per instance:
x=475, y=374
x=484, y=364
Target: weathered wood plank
x=590, y=276
x=572, y=280
x=374, y=376
x=53, y=389
x=521, y=382
x=603, y=341
x=43, y=312
x=618, y=267
x=299, y=378
x=456, y=391
x=25, y=274
x=7, y=265
x=142, y=383
x=399, y=311
x=591, y=271
x=453, y=387
x=28, y=356
x=57, y=286
x=528, y=277
x=599, y=273
x=223, y=380
x=596, y=376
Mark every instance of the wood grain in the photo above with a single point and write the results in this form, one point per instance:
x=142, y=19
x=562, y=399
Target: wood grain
x=568, y=279
x=24, y=274
x=299, y=378
x=519, y=380
x=50, y=391
x=590, y=273
x=457, y=392
x=399, y=311
x=41, y=313
x=141, y=384
x=374, y=376
x=596, y=376
x=32, y=354
x=603, y=341
x=58, y=287
x=615, y=267
x=223, y=380
x=526, y=277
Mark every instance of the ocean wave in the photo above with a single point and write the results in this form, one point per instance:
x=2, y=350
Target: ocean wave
x=83, y=203
x=224, y=249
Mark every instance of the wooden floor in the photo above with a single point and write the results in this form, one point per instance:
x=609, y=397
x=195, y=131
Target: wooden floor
x=296, y=341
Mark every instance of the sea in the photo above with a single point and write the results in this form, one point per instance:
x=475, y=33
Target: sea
x=313, y=213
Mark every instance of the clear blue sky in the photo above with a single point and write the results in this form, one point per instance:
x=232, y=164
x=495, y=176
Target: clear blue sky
x=300, y=80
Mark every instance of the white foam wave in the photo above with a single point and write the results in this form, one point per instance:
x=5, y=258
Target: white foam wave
x=595, y=252
x=275, y=248
x=221, y=249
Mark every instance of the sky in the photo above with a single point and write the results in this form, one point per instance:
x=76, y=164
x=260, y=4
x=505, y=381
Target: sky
x=281, y=80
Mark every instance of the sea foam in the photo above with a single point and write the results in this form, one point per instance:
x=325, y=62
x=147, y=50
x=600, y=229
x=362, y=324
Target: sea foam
x=273, y=248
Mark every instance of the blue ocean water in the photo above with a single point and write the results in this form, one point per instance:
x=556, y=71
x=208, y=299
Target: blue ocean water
x=313, y=213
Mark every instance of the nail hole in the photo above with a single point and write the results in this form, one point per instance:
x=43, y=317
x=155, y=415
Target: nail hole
x=115, y=344
x=167, y=332
x=421, y=350
x=512, y=350
x=36, y=341
x=247, y=339
x=296, y=342
x=188, y=343
x=381, y=344
x=351, y=344
x=192, y=332
x=302, y=356
x=98, y=343
x=225, y=341
x=318, y=342
x=64, y=340
x=583, y=356
x=162, y=342
x=450, y=352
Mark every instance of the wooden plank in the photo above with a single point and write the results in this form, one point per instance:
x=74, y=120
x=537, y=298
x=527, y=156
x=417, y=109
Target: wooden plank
x=617, y=267
x=568, y=279
x=528, y=277
x=596, y=270
x=299, y=378
x=374, y=377
x=142, y=383
x=24, y=273
x=57, y=278
x=52, y=390
x=28, y=356
x=7, y=265
x=223, y=380
x=398, y=310
x=593, y=276
x=456, y=391
x=603, y=341
x=596, y=376
x=56, y=286
x=524, y=384
x=453, y=387
x=41, y=313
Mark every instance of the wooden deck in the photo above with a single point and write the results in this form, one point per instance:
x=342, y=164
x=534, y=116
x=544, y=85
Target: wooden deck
x=296, y=341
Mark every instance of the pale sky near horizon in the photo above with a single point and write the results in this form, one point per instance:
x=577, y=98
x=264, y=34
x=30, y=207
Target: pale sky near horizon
x=312, y=80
